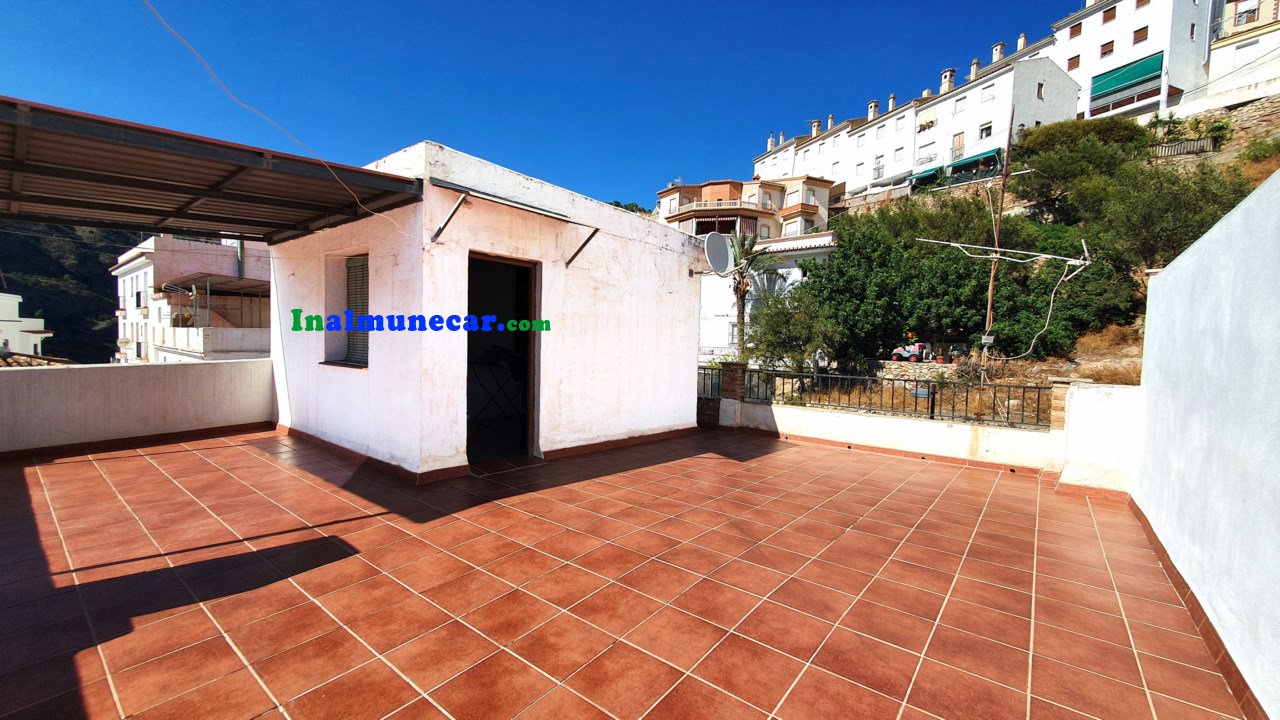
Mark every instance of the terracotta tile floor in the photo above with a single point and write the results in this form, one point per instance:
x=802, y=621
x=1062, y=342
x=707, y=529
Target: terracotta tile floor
x=713, y=576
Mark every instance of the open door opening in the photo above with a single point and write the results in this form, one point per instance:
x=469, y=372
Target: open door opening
x=500, y=371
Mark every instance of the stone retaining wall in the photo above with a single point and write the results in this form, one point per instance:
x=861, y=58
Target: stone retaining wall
x=896, y=370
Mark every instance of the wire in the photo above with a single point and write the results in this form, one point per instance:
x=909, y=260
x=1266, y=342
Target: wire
x=273, y=123
x=1052, y=297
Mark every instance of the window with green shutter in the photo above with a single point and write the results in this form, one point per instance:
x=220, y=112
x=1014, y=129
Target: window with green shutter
x=358, y=303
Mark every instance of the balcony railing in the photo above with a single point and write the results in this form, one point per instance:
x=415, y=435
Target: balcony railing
x=708, y=382
x=723, y=205
x=877, y=172
x=1009, y=405
x=957, y=152
x=926, y=159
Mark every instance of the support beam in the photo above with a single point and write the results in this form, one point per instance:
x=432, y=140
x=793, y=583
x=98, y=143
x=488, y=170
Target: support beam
x=138, y=210
x=160, y=186
x=581, y=247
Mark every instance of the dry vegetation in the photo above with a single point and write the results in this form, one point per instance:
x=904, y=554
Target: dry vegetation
x=1257, y=172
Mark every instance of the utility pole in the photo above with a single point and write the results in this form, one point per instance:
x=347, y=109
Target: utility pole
x=995, y=232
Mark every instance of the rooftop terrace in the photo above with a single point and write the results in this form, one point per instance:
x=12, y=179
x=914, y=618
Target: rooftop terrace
x=720, y=575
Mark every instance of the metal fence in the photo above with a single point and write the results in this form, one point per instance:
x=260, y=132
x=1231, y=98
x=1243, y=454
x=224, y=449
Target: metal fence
x=1183, y=147
x=709, y=382
x=1009, y=405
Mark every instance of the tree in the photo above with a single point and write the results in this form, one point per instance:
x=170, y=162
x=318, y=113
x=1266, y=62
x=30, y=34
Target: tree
x=790, y=329
x=861, y=285
x=1153, y=212
x=748, y=263
x=632, y=207
x=1064, y=155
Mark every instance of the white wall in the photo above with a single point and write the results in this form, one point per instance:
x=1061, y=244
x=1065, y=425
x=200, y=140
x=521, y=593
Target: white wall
x=14, y=328
x=618, y=359
x=981, y=443
x=72, y=404
x=1210, y=477
x=1104, y=436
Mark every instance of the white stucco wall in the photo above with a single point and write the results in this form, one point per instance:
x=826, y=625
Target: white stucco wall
x=980, y=443
x=1210, y=478
x=617, y=362
x=72, y=404
x=1104, y=436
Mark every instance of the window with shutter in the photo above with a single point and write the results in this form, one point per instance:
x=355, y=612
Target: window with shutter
x=358, y=303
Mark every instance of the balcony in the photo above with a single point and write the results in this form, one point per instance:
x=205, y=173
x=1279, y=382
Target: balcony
x=877, y=172
x=704, y=208
x=926, y=159
x=792, y=212
x=211, y=343
x=957, y=152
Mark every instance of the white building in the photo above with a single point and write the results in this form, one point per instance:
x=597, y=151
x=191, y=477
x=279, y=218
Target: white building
x=615, y=365
x=1244, y=57
x=19, y=334
x=960, y=130
x=1134, y=56
x=188, y=299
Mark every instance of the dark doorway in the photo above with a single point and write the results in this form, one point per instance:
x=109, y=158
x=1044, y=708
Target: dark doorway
x=499, y=362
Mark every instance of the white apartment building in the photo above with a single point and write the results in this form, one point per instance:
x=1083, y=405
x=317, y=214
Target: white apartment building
x=1134, y=56
x=961, y=130
x=1244, y=56
x=19, y=334
x=189, y=299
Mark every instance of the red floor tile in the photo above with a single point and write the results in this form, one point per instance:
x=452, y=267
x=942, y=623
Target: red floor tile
x=624, y=681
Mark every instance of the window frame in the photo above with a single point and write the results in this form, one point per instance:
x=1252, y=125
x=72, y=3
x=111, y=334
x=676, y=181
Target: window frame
x=1073, y=63
x=1075, y=31
x=1109, y=15
x=1145, y=31
x=1108, y=48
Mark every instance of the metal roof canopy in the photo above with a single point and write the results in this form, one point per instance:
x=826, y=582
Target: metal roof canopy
x=223, y=284
x=63, y=167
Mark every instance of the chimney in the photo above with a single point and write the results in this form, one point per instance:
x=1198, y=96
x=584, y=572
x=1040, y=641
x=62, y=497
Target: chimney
x=873, y=109
x=973, y=69
x=893, y=101
x=831, y=120
x=997, y=52
x=772, y=144
x=782, y=138
x=928, y=92
x=815, y=127
x=948, y=81
x=1022, y=41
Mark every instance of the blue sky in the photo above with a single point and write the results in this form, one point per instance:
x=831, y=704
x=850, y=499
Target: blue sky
x=610, y=99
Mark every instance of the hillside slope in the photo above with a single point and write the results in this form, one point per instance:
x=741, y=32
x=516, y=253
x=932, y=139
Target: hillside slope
x=63, y=275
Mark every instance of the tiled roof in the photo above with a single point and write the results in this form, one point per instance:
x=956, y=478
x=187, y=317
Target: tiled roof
x=11, y=360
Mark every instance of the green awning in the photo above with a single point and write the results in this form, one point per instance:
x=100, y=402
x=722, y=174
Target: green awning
x=924, y=174
x=1128, y=75
x=975, y=158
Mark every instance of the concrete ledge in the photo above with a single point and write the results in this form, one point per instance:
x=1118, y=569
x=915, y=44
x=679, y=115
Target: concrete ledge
x=382, y=466
x=45, y=454
x=620, y=442
x=73, y=405
x=1236, y=681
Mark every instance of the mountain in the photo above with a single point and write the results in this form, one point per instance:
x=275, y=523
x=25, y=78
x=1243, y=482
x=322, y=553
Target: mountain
x=63, y=275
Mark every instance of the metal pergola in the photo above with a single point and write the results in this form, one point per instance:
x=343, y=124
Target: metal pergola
x=64, y=167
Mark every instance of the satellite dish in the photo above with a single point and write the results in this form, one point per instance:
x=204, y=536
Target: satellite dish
x=719, y=257
x=124, y=342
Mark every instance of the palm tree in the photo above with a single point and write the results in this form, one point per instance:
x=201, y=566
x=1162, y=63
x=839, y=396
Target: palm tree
x=748, y=263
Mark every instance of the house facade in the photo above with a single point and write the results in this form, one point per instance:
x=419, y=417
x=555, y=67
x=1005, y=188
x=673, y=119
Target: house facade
x=784, y=207
x=1134, y=56
x=191, y=299
x=19, y=334
x=612, y=286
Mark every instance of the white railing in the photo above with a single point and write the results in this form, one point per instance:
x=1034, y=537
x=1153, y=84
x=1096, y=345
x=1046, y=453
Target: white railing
x=877, y=172
x=927, y=159
x=724, y=205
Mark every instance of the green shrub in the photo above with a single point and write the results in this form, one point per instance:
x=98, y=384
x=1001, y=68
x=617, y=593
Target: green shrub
x=1259, y=150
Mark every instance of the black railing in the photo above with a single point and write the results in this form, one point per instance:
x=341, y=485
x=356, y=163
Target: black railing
x=1010, y=405
x=709, y=382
